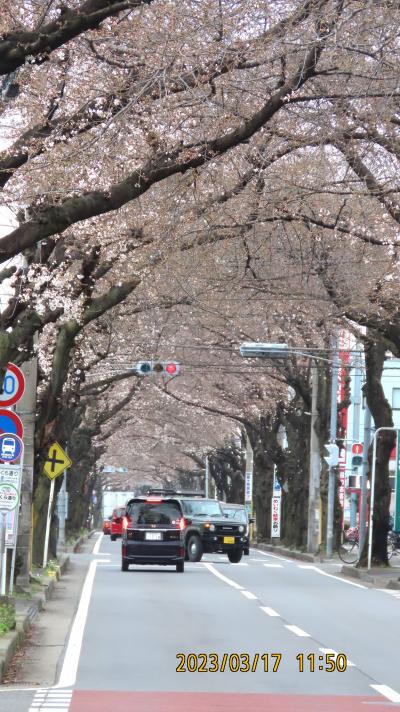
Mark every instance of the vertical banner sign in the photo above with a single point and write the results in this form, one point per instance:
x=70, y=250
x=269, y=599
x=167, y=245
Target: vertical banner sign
x=276, y=517
x=344, y=358
x=396, y=525
x=276, y=509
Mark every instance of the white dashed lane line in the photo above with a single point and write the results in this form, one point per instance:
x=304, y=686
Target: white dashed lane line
x=387, y=691
x=273, y=566
x=383, y=690
x=249, y=595
x=270, y=612
x=298, y=631
x=329, y=651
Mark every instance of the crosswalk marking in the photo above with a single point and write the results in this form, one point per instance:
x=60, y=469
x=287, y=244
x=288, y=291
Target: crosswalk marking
x=51, y=701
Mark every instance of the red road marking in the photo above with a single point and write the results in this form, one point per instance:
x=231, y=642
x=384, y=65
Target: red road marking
x=86, y=701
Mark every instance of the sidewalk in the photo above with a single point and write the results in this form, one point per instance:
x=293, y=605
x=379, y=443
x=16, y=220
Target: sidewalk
x=381, y=577
x=27, y=609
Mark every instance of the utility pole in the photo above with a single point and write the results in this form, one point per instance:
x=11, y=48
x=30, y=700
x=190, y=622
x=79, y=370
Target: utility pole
x=207, y=482
x=314, y=522
x=62, y=509
x=26, y=409
x=356, y=430
x=364, y=477
x=332, y=474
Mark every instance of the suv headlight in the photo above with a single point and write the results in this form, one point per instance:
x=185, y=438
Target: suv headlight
x=210, y=527
x=241, y=529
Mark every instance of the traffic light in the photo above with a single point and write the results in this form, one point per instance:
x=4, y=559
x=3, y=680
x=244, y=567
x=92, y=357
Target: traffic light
x=356, y=449
x=166, y=368
x=332, y=458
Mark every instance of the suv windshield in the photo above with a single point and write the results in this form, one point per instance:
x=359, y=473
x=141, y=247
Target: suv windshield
x=238, y=515
x=202, y=508
x=145, y=513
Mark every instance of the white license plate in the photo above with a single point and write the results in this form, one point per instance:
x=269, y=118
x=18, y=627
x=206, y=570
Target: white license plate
x=153, y=536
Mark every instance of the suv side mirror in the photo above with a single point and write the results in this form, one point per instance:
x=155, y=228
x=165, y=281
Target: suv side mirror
x=251, y=520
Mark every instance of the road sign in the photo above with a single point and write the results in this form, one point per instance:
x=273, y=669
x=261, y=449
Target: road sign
x=9, y=497
x=276, y=517
x=57, y=461
x=10, y=423
x=11, y=447
x=13, y=386
x=10, y=475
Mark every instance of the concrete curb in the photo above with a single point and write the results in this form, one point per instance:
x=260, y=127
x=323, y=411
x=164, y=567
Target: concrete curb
x=10, y=642
x=290, y=553
x=381, y=581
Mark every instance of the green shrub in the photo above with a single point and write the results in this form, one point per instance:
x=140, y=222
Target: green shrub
x=7, y=618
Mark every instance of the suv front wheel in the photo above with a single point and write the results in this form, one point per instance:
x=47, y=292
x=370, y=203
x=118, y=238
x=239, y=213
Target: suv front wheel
x=235, y=556
x=194, y=548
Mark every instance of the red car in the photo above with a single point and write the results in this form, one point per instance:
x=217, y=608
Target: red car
x=107, y=526
x=116, y=523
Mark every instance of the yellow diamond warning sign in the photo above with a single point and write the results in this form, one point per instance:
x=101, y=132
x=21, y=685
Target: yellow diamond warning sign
x=57, y=461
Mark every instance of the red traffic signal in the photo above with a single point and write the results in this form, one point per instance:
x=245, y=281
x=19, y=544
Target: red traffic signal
x=357, y=448
x=172, y=368
x=144, y=368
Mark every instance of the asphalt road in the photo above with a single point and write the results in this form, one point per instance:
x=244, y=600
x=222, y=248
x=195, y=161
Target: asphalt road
x=133, y=629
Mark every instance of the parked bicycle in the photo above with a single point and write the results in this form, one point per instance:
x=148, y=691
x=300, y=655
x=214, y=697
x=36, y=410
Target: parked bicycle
x=393, y=544
x=349, y=550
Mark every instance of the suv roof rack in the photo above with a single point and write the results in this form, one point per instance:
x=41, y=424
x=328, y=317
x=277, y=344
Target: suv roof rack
x=166, y=492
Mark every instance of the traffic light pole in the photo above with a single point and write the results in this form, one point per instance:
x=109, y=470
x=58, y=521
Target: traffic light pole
x=332, y=475
x=314, y=525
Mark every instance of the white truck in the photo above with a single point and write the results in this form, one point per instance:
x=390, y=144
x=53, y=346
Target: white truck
x=111, y=500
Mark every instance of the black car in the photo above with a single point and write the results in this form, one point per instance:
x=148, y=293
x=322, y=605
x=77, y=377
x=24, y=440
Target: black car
x=153, y=532
x=239, y=513
x=208, y=530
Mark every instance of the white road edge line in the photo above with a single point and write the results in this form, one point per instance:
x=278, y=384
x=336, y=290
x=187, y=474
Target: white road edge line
x=72, y=654
x=249, y=595
x=274, y=556
x=214, y=571
x=387, y=691
x=328, y=651
x=323, y=573
x=298, y=631
x=270, y=612
x=97, y=544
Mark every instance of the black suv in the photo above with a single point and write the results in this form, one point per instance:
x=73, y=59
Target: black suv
x=152, y=532
x=206, y=528
x=239, y=513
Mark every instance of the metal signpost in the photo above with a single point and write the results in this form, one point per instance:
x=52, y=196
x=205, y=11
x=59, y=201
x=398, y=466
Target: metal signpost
x=57, y=461
x=9, y=498
x=396, y=523
x=11, y=462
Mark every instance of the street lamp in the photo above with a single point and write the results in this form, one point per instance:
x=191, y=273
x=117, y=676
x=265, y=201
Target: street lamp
x=283, y=351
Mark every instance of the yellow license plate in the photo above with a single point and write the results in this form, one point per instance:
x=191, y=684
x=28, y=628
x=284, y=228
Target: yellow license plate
x=229, y=539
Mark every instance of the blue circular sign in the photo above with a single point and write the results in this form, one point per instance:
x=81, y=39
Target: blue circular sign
x=10, y=447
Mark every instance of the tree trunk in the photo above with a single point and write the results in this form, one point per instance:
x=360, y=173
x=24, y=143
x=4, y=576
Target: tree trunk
x=382, y=415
